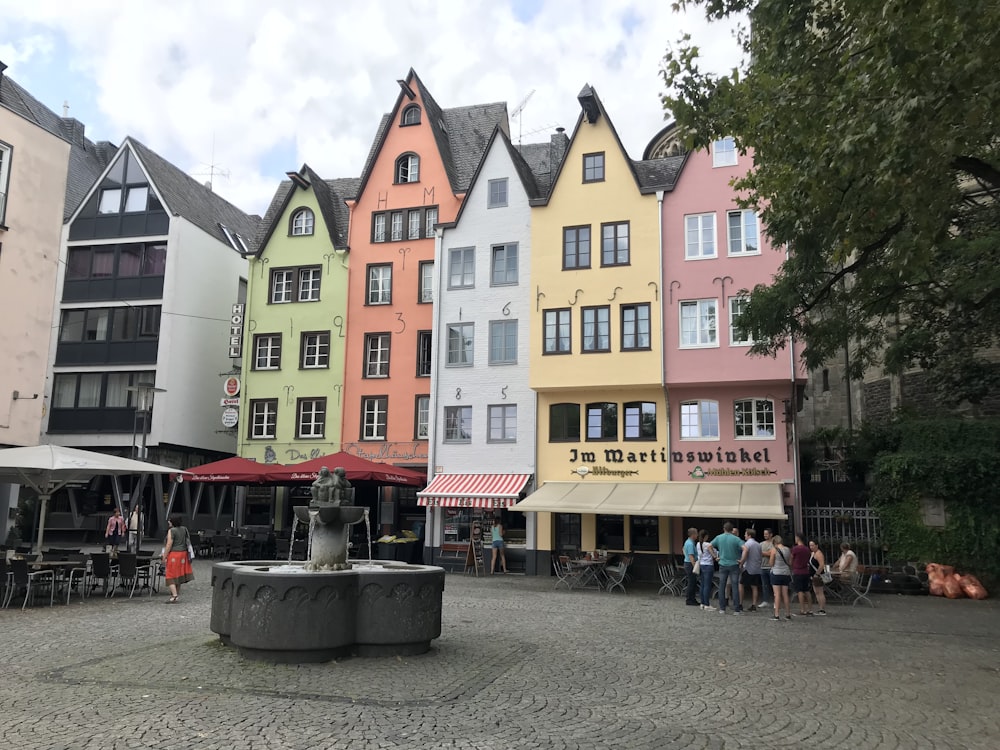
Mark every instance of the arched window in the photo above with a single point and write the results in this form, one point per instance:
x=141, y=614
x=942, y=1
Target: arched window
x=302, y=222
x=408, y=168
x=411, y=115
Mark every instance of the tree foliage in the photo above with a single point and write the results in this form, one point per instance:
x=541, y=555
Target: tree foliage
x=874, y=132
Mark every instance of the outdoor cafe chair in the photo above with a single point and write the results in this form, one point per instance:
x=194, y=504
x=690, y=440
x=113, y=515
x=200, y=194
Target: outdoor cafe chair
x=26, y=579
x=861, y=586
x=671, y=582
x=615, y=574
x=561, y=569
x=102, y=569
x=132, y=570
x=6, y=582
x=76, y=575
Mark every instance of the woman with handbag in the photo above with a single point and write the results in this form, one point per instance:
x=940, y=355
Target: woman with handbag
x=781, y=576
x=177, y=557
x=817, y=566
x=706, y=562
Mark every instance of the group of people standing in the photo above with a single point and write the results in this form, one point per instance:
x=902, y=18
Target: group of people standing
x=769, y=571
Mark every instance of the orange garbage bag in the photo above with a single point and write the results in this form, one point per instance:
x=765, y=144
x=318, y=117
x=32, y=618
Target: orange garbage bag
x=933, y=569
x=972, y=587
x=947, y=570
x=936, y=584
x=952, y=588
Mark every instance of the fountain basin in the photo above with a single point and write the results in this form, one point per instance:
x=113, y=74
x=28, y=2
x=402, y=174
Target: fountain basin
x=287, y=614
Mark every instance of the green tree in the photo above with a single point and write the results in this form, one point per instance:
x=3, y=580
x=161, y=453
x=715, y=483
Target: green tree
x=875, y=140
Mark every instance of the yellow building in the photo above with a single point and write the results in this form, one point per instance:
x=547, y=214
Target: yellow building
x=597, y=344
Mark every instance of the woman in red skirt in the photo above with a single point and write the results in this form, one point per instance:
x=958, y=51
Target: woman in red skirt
x=175, y=550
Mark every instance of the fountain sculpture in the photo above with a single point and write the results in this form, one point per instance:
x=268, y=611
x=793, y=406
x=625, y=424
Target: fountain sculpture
x=327, y=607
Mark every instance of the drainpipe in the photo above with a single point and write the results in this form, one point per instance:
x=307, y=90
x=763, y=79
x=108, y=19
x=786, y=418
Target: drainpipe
x=663, y=317
x=796, y=475
x=433, y=535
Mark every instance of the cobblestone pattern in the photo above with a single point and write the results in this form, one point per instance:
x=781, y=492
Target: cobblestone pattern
x=518, y=665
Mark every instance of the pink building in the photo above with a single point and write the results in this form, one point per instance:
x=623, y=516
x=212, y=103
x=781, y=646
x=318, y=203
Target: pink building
x=732, y=415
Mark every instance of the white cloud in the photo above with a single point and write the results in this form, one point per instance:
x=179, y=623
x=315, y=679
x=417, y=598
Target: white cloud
x=257, y=74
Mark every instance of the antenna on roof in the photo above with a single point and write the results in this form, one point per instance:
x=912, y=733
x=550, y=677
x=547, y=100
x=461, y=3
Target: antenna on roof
x=65, y=108
x=516, y=114
x=213, y=169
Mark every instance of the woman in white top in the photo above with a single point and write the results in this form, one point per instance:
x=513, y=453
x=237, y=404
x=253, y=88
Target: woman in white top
x=846, y=565
x=706, y=558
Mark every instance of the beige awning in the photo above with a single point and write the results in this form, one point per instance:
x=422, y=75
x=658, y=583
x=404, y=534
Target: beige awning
x=758, y=500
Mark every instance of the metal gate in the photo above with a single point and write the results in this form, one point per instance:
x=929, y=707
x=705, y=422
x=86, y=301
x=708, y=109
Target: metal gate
x=858, y=525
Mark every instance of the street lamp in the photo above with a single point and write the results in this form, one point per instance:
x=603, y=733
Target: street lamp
x=144, y=395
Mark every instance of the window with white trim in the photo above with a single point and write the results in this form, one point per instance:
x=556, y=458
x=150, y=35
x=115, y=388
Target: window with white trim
x=724, y=152
x=414, y=223
x=5, y=154
x=502, y=424
x=503, y=342
x=309, y=279
x=378, y=227
x=430, y=219
x=267, y=351
x=699, y=323
x=754, y=418
x=408, y=168
x=425, y=292
x=699, y=420
x=742, y=232
x=295, y=284
x=411, y=115
x=377, y=355
x=303, y=222
x=379, y=284
x=311, y=418
x=315, y=351
x=462, y=268
x=396, y=225
x=503, y=264
x=263, y=418
x=461, y=343
x=699, y=236
x=374, y=416
x=458, y=424
x=422, y=418
x=497, y=193
x=738, y=335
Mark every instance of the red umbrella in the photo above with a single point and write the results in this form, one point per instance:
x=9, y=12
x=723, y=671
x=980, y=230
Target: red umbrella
x=357, y=469
x=233, y=470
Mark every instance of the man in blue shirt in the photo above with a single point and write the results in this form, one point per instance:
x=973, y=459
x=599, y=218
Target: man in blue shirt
x=690, y=557
x=730, y=549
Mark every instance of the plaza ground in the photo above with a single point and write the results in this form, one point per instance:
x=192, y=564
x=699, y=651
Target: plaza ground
x=518, y=665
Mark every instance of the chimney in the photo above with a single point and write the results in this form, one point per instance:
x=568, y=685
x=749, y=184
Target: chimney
x=73, y=129
x=558, y=144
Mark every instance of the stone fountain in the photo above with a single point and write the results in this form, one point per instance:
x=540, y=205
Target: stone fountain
x=328, y=607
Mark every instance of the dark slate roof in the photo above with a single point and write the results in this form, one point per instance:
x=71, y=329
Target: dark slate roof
x=86, y=159
x=659, y=174
x=188, y=198
x=461, y=134
x=538, y=158
x=330, y=195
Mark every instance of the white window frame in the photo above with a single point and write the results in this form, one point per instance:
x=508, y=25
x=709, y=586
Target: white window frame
x=497, y=193
x=6, y=153
x=724, y=152
x=309, y=284
x=109, y=201
x=316, y=351
x=693, y=417
x=396, y=226
x=462, y=268
x=378, y=228
x=501, y=423
x=282, y=285
x=414, y=222
x=303, y=222
x=742, y=240
x=310, y=422
x=703, y=238
x=707, y=336
x=407, y=169
x=735, y=303
x=461, y=345
x=762, y=419
x=136, y=190
x=374, y=417
x=457, y=424
x=377, y=355
x=426, y=290
x=430, y=219
x=504, y=264
x=422, y=418
x=263, y=419
x=267, y=349
x=500, y=333
x=379, y=284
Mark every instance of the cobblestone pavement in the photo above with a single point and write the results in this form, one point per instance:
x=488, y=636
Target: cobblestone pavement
x=518, y=665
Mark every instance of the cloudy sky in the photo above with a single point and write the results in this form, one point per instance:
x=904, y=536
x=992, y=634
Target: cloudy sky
x=259, y=86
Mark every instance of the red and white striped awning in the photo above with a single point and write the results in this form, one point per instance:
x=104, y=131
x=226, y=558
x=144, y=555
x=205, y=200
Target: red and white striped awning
x=473, y=490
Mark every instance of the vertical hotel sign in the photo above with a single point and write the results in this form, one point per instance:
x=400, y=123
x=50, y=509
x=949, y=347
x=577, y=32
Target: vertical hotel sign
x=236, y=331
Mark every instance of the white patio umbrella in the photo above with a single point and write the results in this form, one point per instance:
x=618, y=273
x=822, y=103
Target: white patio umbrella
x=47, y=468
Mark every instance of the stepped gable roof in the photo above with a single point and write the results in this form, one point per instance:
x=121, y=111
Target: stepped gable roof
x=461, y=134
x=330, y=195
x=86, y=159
x=184, y=196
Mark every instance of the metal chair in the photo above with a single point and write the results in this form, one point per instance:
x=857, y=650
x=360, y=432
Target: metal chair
x=861, y=585
x=130, y=568
x=562, y=571
x=24, y=578
x=102, y=569
x=615, y=574
x=6, y=582
x=672, y=578
x=76, y=575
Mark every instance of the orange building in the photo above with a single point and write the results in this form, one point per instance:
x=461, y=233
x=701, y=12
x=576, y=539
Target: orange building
x=416, y=176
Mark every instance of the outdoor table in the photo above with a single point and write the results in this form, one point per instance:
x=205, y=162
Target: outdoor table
x=587, y=573
x=62, y=570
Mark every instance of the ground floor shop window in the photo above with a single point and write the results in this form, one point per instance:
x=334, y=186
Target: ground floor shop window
x=645, y=533
x=567, y=526
x=610, y=532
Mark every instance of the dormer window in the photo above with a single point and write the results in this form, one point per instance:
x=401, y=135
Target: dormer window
x=408, y=168
x=303, y=221
x=411, y=115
